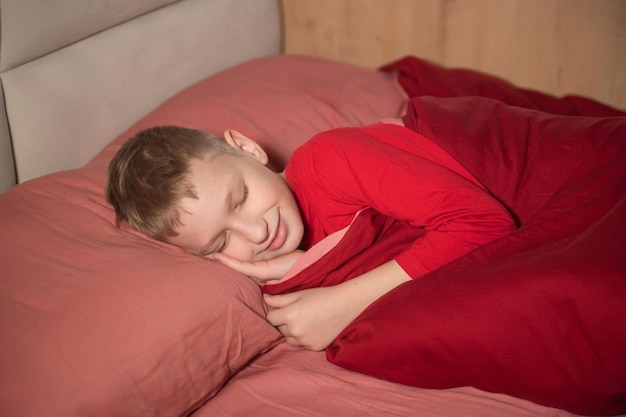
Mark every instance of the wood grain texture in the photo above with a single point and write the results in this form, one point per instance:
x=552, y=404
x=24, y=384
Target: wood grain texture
x=556, y=46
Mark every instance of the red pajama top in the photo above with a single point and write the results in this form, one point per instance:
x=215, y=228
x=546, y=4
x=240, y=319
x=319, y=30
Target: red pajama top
x=400, y=174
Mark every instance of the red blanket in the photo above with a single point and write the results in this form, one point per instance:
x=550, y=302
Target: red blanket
x=538, y=314
x=422, y=78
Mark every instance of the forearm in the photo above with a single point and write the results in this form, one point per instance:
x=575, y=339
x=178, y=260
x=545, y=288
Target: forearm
x=363, y=290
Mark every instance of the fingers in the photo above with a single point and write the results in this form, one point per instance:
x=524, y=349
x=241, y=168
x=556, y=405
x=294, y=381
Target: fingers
x=395, y=121
x=251, y=269
x=287, y=315
x=290, y=339
x=262, y=271
x=243, y=267
x=277, y=315
x=279, y=301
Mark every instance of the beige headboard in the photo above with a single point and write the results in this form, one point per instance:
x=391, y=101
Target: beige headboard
x=76, y=73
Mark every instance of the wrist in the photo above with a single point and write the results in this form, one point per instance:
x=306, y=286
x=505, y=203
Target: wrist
x=367, y=288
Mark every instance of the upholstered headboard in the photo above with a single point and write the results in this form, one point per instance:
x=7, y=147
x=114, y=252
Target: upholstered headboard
x=76, y=73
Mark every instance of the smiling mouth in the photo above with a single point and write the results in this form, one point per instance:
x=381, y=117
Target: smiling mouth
x=280, y=236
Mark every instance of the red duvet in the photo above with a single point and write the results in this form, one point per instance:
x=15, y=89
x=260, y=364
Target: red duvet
x=537, y=314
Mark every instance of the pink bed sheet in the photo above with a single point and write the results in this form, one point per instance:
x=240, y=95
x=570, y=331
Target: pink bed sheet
x=290, y=382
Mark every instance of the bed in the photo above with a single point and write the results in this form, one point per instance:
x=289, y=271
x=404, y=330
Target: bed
x=95, y=320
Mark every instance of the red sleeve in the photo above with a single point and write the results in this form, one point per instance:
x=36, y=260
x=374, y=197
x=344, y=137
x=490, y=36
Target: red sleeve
x=383, y=167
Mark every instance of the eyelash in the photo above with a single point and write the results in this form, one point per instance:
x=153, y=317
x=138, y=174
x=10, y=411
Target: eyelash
x=244, y=198
x=223, y=245
x=245, y=194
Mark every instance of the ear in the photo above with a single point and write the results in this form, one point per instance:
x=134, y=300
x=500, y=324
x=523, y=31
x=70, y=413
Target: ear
x=246, y=145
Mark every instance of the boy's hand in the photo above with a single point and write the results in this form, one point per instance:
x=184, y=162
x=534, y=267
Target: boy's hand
x=313, y=318
x=393, y=121
x=262, y=271
x=310, y=318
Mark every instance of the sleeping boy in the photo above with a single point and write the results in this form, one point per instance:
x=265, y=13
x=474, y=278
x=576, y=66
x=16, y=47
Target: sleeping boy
x=217, y=198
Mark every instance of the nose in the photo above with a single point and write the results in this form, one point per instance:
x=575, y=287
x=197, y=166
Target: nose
x=254, y=230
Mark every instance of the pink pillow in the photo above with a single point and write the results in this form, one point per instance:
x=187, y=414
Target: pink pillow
x=281, y=102
x=99, y=321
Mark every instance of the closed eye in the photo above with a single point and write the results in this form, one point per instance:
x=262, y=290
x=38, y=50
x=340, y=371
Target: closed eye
x=244, y=196
x=222, y=247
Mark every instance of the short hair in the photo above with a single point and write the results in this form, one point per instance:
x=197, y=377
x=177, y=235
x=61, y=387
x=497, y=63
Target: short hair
x=149, y=176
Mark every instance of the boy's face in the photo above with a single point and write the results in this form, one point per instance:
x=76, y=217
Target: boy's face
x=243, y=209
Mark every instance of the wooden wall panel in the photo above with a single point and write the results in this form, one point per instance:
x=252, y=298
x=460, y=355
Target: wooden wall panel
x=557, y=46
x=363, y=32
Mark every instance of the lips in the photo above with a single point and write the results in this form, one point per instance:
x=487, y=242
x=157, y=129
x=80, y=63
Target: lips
x=280, y=236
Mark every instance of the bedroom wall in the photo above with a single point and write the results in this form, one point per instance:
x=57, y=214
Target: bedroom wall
x=557, y=46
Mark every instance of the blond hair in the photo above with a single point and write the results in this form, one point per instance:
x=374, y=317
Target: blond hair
x=148, y=176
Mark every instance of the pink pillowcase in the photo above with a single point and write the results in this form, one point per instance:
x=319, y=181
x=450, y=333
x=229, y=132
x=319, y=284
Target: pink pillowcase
x=281, y=102
x=99, y=321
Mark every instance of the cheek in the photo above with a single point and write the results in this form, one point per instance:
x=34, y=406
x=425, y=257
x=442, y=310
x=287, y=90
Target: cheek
x=296, y=233
x=296, y=224
x=239, y=250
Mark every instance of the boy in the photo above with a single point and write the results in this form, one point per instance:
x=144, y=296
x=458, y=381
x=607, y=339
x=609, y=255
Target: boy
x=218, y=199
